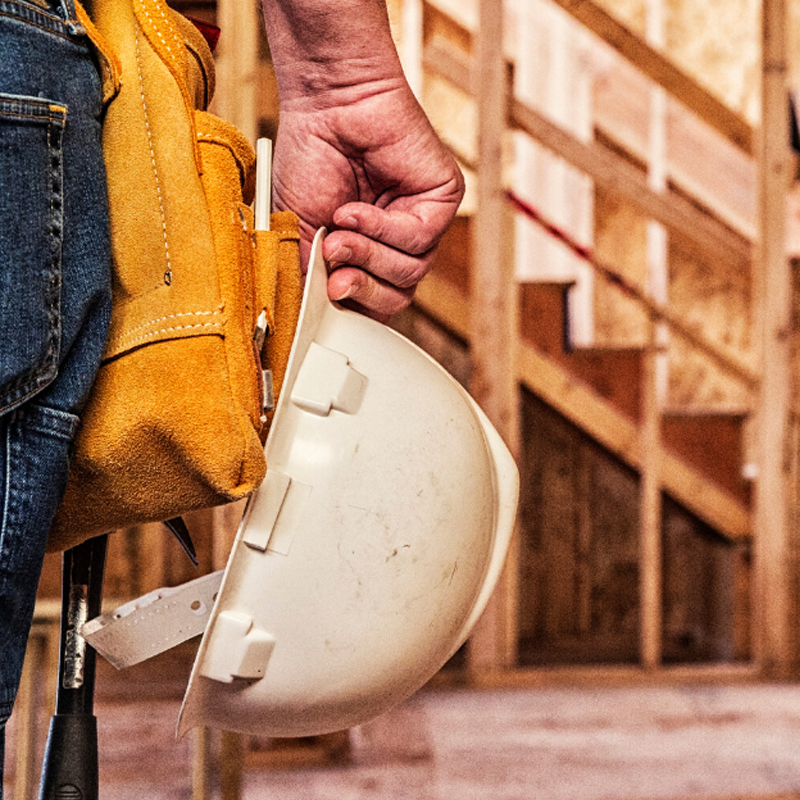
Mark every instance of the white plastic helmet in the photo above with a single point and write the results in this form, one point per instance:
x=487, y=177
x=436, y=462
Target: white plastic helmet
x=368, y=554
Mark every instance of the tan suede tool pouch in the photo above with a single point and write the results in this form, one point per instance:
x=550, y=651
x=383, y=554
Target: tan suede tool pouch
x=178, y=414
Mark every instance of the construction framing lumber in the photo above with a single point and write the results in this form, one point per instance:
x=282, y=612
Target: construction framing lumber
x=607, y=169
x=661, y=70
x=492, y=311
x=772, y=607
x=650, y=549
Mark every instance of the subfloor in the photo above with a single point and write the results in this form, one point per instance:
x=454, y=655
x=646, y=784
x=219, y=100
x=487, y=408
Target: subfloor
x=457, y=744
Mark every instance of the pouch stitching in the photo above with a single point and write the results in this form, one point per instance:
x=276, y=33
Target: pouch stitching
x=53, y=319
x=172, y=60
x=131, y=341
x=133, y=331
x=155, y=28
x=168, y=272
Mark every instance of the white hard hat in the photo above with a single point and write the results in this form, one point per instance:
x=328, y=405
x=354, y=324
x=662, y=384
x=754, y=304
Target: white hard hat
x=365, y=558
x=367, y=555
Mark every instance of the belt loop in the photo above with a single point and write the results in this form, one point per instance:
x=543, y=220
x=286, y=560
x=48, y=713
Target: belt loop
x=71, y=17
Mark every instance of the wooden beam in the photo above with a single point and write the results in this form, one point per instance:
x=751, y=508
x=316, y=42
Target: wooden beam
x=492, y=306
x=237, y=65
x=609, y=170
x=772, y=612
x=660, y=69
x=650, y=557
x=654, y=368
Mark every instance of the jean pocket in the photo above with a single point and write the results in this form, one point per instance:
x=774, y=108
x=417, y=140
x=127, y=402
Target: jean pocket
x=31, y=220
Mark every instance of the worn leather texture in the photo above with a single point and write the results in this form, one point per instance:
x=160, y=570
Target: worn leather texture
x=176, y=420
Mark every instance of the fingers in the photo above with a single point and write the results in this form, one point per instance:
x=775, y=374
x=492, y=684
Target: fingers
x=400, y=269
x=390, y=249
x=363, y=292
x=380, y=279
x=411, y=224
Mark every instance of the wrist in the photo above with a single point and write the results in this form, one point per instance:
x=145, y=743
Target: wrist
x=330, y=47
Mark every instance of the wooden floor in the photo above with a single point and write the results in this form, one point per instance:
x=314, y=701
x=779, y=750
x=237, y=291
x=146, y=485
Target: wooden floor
x=455, y=744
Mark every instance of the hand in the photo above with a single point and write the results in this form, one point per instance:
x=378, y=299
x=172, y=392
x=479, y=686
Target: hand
x=364, y=161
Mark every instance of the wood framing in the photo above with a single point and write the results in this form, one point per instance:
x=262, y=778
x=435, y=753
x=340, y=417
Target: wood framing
x=237, y=65
x=650, y=551
x=772, y=607
x=492, y=310
x=597, y=417
x=607, y=169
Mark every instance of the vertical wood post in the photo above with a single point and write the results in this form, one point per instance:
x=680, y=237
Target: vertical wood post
x=654, y=375
x=237, y=65
x=772, y=635
x=201, y=763
x=493, y=301
x=650, y=555
x=411, y=44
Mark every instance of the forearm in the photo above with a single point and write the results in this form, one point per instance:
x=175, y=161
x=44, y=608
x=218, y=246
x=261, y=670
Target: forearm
x=329, y=45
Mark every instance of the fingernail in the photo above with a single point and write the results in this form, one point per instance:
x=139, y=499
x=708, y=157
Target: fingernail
x=341, y=255
x=345, y=294
x=348, y=221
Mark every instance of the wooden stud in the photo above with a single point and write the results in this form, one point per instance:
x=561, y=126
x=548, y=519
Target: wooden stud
x=492, y=316
x=231, y=761
x=650, y=547
x=411, y=44
x=772, y=607
x=650, y=555
x=201, y=763
x=237, y=65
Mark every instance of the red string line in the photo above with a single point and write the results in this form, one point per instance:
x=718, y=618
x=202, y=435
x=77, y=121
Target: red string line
x=578, y=249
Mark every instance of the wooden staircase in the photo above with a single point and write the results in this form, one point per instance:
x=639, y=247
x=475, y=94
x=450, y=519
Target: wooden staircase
x=688, y=462
x=706, y=448
x=590, y=402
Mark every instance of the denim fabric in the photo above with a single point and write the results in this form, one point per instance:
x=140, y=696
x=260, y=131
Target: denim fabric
x=54, y=288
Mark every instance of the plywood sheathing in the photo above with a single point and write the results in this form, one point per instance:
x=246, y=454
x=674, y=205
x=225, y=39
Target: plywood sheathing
x=715, y=299
x=717, y=45
x=620, y=240
x=711, y=297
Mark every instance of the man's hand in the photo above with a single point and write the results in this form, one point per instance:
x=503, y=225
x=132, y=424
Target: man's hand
x=356, y=153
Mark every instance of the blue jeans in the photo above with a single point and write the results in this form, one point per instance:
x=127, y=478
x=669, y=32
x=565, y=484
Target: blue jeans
x=54, y=289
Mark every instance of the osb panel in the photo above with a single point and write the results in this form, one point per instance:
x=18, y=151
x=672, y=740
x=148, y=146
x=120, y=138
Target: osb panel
x=716, y=301
x=719, y=49
x=703, y=609
x=621, y=243
x=578, y=578
x=716, y=44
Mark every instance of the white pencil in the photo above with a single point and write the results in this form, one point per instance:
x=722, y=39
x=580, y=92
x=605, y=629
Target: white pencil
x=263, y=183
